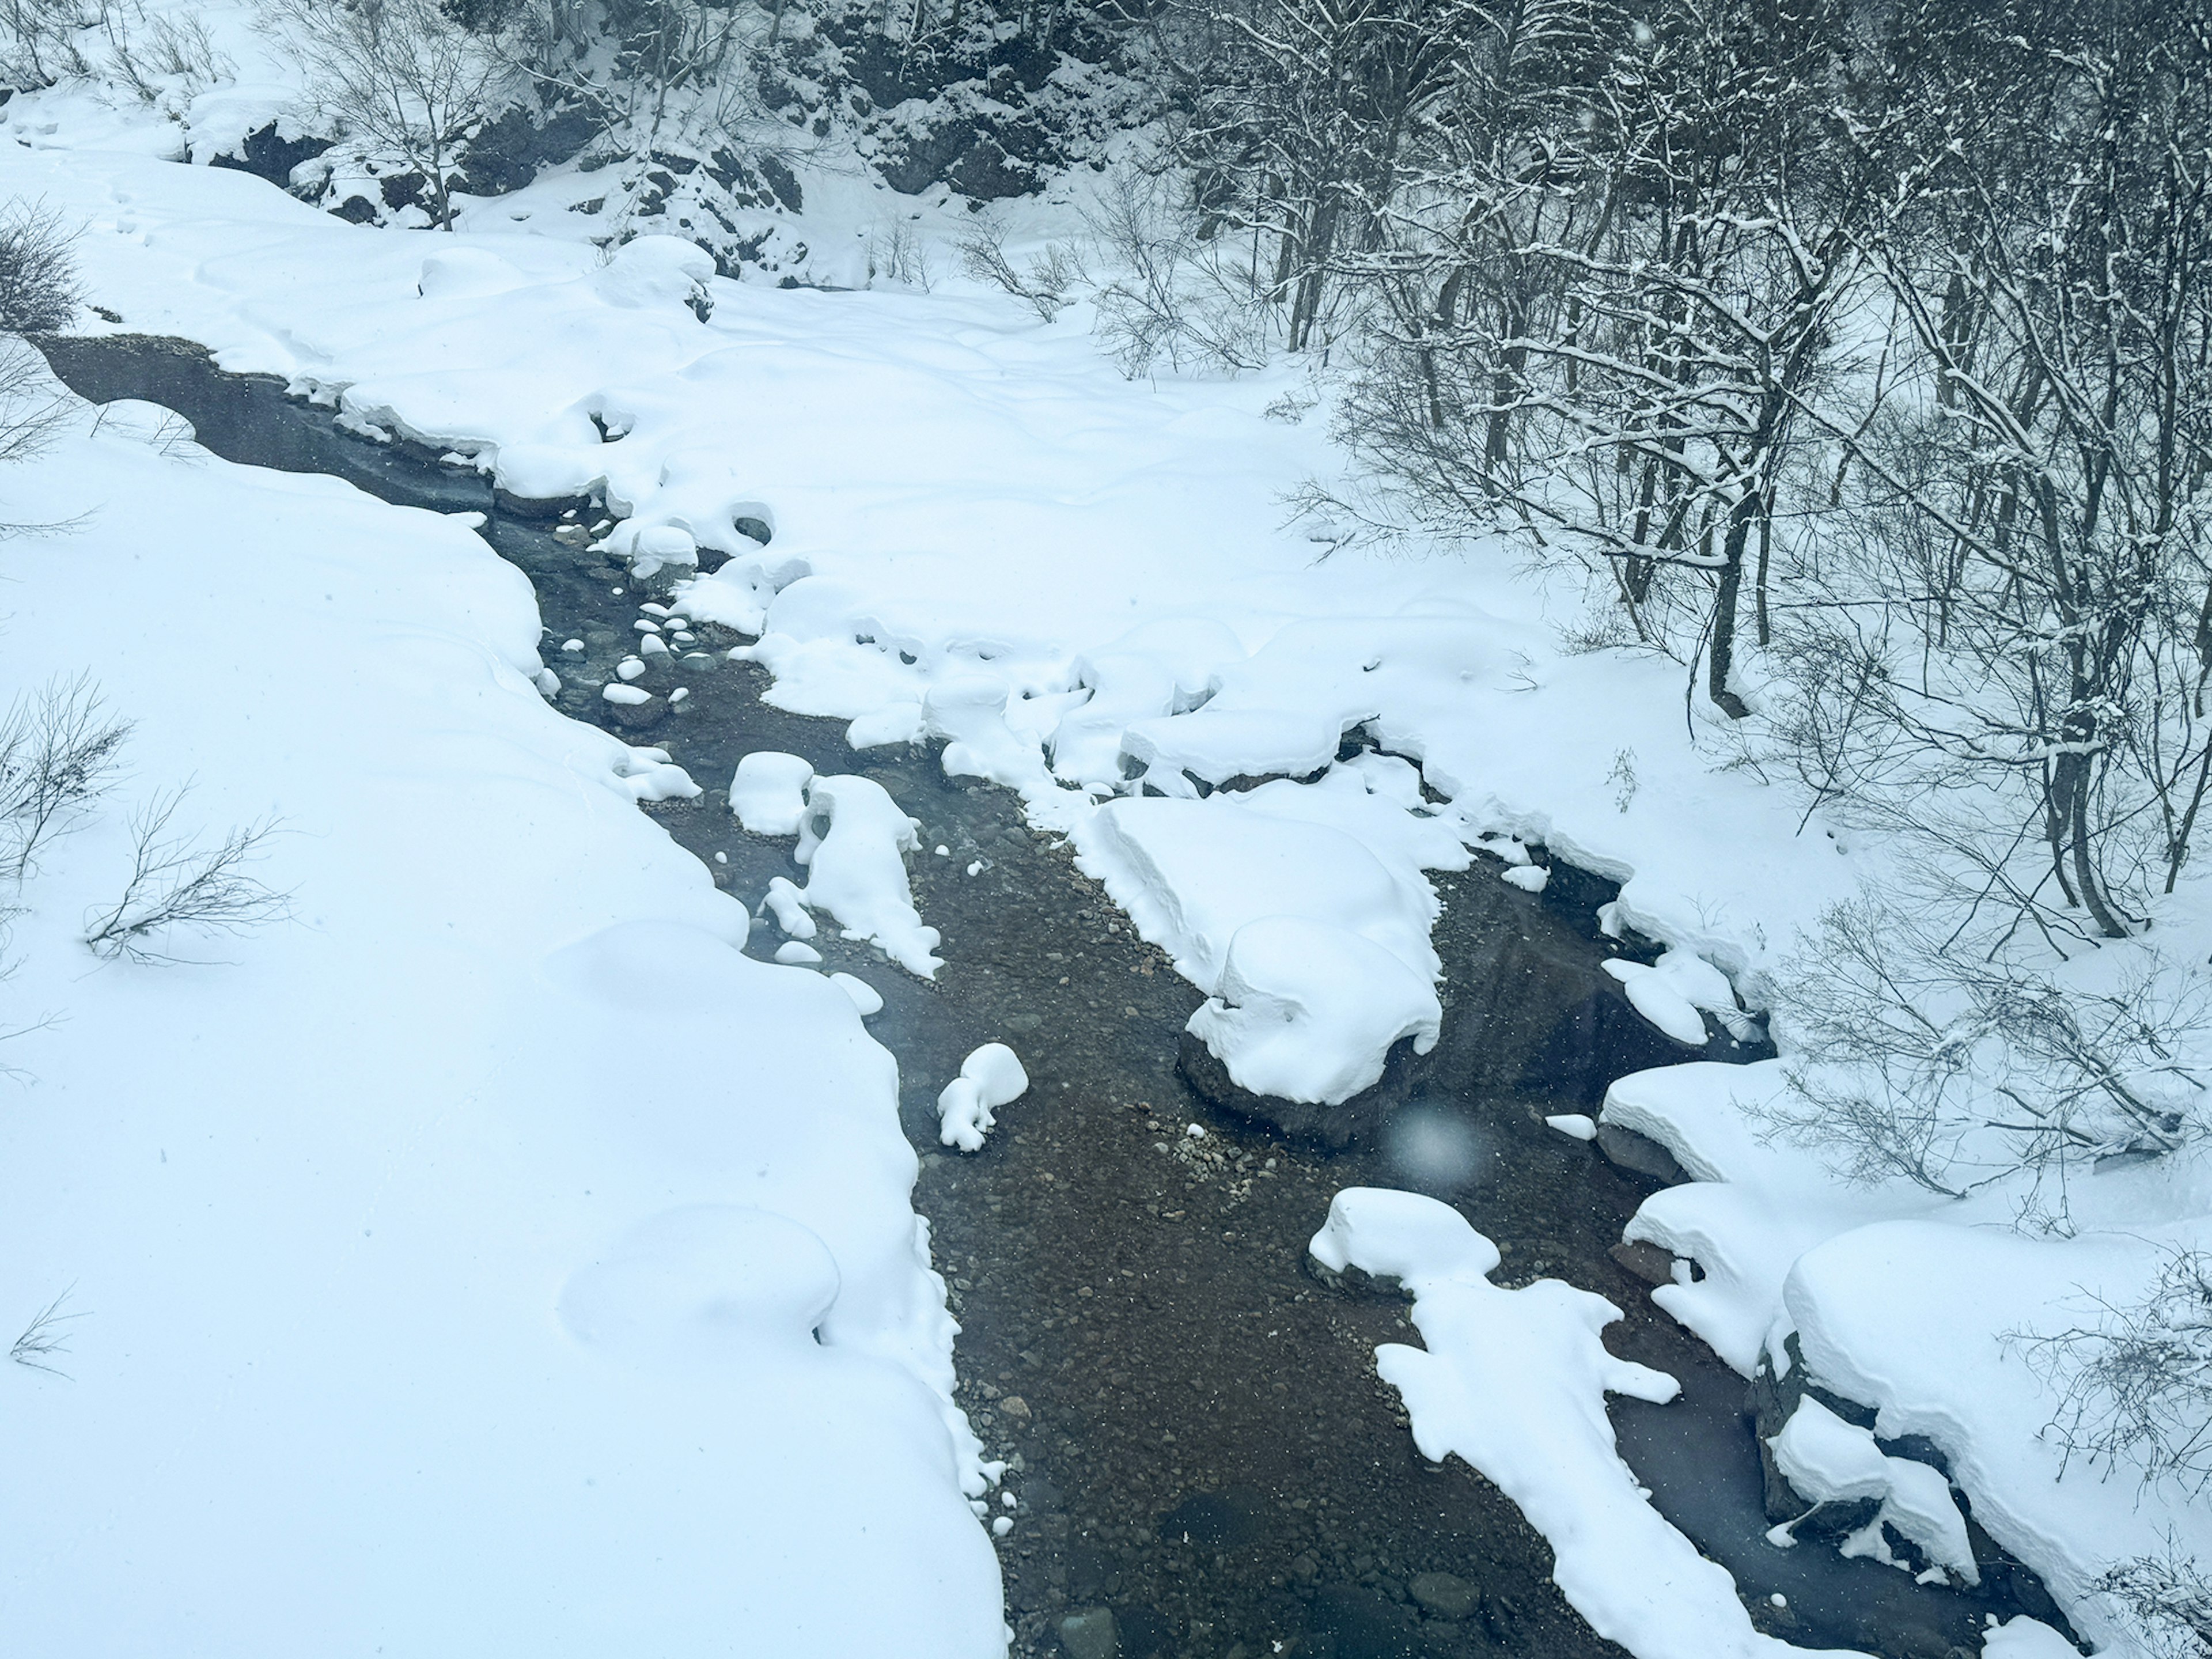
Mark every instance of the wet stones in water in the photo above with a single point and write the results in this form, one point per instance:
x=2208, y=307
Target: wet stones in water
x=1215, y=1520
x=1527, y=1011
x=1334, y=1127
x=1443, y=1595
x=1090, y=1634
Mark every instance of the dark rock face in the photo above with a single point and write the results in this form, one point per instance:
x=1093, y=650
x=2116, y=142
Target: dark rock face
x=508, y=153
x=1770, y=1403
x=266, y=155
x=1634, y=1152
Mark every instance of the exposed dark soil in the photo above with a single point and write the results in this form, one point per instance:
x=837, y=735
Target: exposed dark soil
x=1196, y=1433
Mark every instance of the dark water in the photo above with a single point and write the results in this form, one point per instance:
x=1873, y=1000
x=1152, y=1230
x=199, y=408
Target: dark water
x=1198, y=1436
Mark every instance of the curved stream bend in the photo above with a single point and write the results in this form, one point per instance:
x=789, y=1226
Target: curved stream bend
x=1197, y=1438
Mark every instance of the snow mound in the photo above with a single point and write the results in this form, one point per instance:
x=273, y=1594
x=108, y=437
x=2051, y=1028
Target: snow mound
x=988, y=1078
x=789, y=906
x=467, y=273
x=1670, y=992
x=1829, y=1460
x=704, y=1285
x=970, y=711
x=1515, y=1383
x=852, y=841
x=1191, y=873
x=650, y=272
x=1306, y=1011
x=768, y=792
x=865, y=997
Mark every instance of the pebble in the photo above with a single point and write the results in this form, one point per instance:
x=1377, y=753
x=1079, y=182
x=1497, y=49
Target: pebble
x=1091, y=1634
x=1443, y=1593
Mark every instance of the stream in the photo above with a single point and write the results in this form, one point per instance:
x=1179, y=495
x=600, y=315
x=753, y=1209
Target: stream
x=1196, y=1433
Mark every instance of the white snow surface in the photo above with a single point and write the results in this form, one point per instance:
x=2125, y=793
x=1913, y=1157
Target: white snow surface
x=411, y=1320
x=767, y=793
x=853, y=841
x=1828, y=1460
x=1307, y=1012
x=965, y=503
x=989, y=1079
x=1515, y=1383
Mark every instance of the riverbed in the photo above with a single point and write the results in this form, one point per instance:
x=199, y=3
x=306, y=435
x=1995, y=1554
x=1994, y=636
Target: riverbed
x=1196, y=1437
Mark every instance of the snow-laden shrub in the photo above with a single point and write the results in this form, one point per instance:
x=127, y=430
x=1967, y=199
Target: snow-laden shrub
x=1942, y=1060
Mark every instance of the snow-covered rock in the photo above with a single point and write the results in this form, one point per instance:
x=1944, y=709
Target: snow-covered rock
x=989, y=1079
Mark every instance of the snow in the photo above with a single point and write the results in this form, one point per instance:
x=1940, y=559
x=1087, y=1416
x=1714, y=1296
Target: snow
x=789, y=906
x=768, y=792
x=798, y=953
x=1191, y=873
x=1515, y=1383
x=1087, y=590
x=1913, y=1318
x=865, y=997
x=1574, y=1124
x=1306, y=1011
x=411, y=1321
x=989, y=1079
x=1828, y=1460
x=1670, y=992
x=852, y=841
x=2024, y=1637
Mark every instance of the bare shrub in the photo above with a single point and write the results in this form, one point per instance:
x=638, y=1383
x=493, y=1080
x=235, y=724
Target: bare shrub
x=44, y=1337
x=1173, y=296
x=1046, y=281
x=58, y=754
x=162, y=55
x=179, y=882
x=2166, y=1601
x=895, y=251
x=38, y=41
x=39, y=289
x=1917, y=1055
x=2136, y=1386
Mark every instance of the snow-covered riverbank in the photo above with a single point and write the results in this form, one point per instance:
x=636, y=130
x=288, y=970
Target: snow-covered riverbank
x=980, y=532
x=487, y=1258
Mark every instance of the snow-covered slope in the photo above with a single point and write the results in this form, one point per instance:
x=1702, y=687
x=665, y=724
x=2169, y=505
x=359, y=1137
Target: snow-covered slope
x=487, y=1260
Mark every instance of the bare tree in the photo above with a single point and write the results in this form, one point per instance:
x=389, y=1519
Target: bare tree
x=2165, y=1599
x=401, y=76
x=38, y=40
x=40, y=291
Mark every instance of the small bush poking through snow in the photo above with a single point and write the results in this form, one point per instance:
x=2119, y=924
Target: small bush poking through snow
x=44, y=1337
x=1926, y=1058
x=2136, y=1387
x=39, y=289
x=58, y=752
x=179, y=882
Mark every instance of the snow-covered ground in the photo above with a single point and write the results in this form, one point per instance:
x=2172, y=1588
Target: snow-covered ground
x=1086, y=586
x=488, y=1258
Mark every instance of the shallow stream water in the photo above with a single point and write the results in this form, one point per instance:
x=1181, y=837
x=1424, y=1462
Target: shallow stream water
x=1197, y=1438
